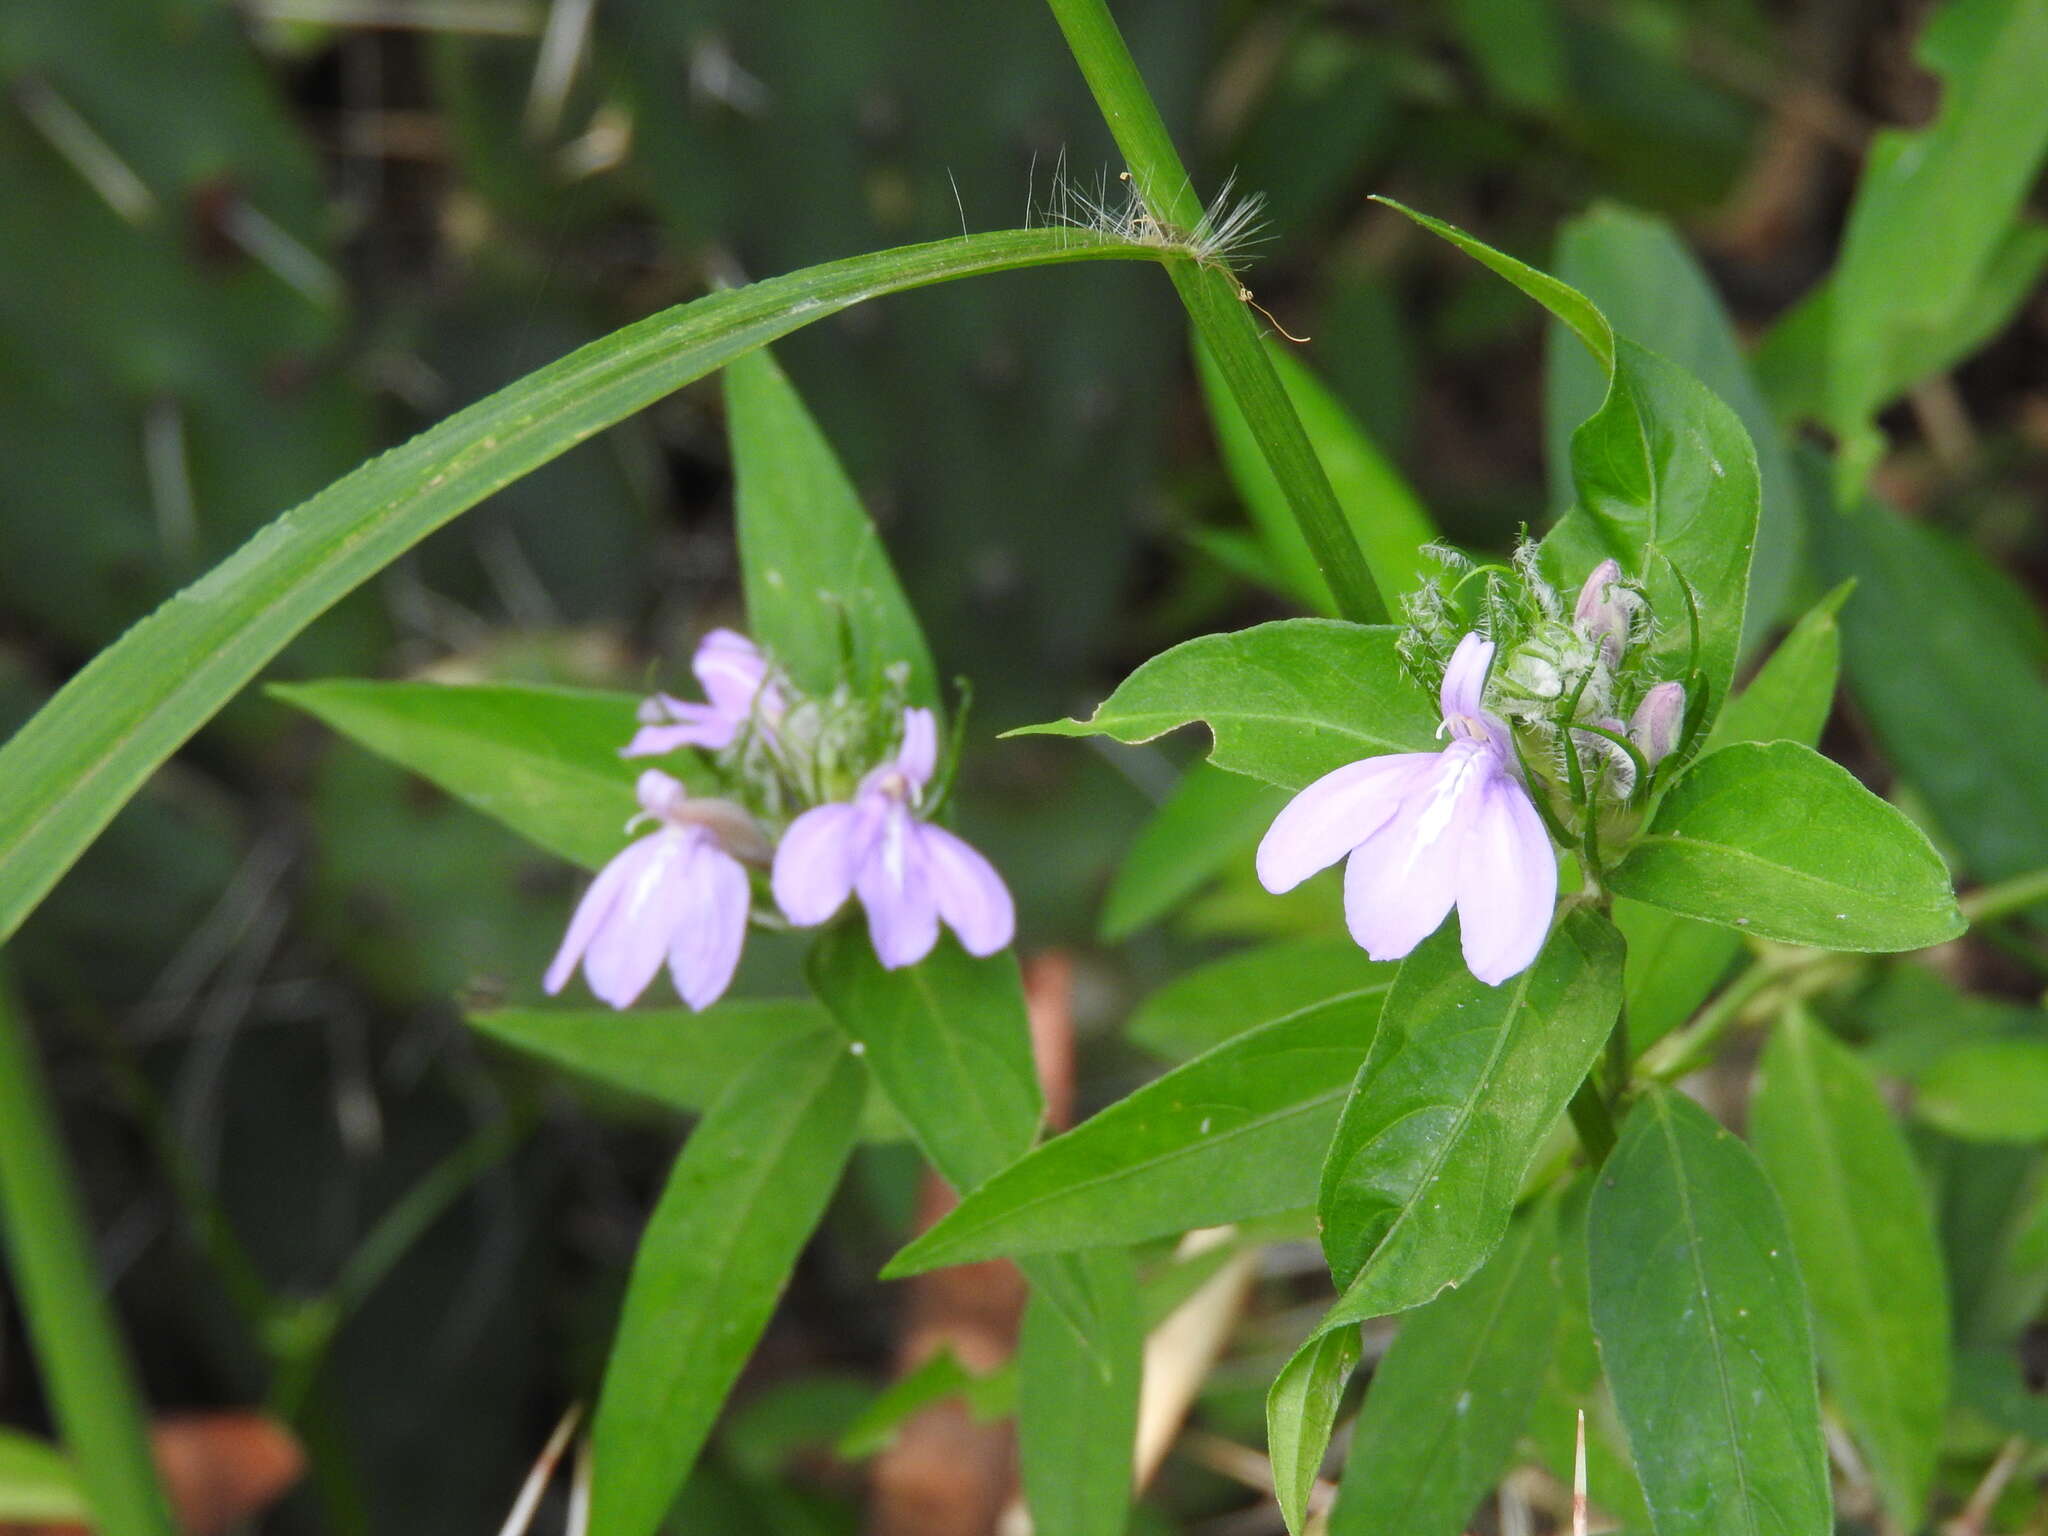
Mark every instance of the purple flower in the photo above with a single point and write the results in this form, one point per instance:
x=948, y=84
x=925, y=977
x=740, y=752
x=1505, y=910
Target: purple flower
x=1602, y=611
x=1426, y=830
x=908, y=873
x=734, y=676
x=677, y=894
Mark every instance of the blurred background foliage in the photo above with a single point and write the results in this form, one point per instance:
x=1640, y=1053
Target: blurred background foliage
x=247, y=245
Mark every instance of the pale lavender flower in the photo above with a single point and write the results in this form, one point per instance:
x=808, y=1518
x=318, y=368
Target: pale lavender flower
x=679, y=894
x=908, y=874
x=1427, y=830
x=734, y=676
x=1655, y=725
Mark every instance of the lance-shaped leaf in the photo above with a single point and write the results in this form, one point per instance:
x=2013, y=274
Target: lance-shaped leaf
x=1664, y=476
x=1235, y=1133
x=90, y=748
x=1462, y=1085
x=820, y=590
x=1931, y=228
x=1201, y=1008
x=1301, y=1409
x=671, y=1055
x=1449, y=1399
x=949, y=1044
x=1287, y=701
x=1864, y=1230
x=1211, y=818
x=1774, y=839
x=1673, y=961
x=1938, y=655
x=750, y=1185
x=544, y=761
x=1077, y=1403
x=1702, y=1324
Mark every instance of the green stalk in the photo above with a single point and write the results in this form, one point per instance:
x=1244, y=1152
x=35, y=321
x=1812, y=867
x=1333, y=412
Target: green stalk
x=1214, y=303
x=85, y=1369
x=1990, y=902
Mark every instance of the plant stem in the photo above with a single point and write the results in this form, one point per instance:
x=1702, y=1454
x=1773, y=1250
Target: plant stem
x=1590, y=1118
x=2005, y=898
x=1214, y=302
x=85, y=1368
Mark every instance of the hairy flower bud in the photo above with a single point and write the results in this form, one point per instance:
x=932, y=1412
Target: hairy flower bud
x=1657, y=721
x=1602, y=611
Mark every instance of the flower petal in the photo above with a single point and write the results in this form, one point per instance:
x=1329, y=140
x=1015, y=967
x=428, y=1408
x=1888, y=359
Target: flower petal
x=731, y=671
x=971, y=896
x=1401, y=881
x=816, y=861
x=918, y=757
x=628, y=947
x=1507, y=884
x=591, y=912
x=1465, y=677
x=694, y=725
x=1334, y=815
x=711, y=925
x=894, y=883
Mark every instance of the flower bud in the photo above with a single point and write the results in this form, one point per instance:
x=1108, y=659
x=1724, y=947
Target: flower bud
x=1602, y=611
x=1658, y=719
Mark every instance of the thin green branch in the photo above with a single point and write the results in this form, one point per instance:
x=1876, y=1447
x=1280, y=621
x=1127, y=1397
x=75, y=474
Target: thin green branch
x=1990, y=902
x=1215, y=303
x=85, y=1367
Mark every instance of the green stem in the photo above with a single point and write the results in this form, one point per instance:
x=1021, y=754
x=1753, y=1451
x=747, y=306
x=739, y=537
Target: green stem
x=63, y=1300
x=1593, y=1122
x=1990, y=902
x=1214, y=303
x=301, y=1341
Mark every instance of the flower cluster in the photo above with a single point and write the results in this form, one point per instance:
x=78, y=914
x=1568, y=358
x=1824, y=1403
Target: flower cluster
x=843, y=780
x=1538, y=742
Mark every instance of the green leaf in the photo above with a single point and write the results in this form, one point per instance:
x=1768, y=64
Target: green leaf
x=682, y=1059
x=1449, y=1399
x=1652, y=290
x=947, y=1041
x=1673, y=961
x=1463, y=1084
x=1702, y=1324
x=1860, y=1219
x=1774, y=839
x=1232, y=1134
x=1664, y=476
x=1930, y=226
x=747, y=1190
x=37, y=1483
x=949, y=1044
x=1388, y=521
x=1301, y=1408
x=1200, y=1009
x=90, y=748
x=941, y=1376
x=1077, y=1404
x=1287, y=701
x=1210, y=818
x=1988, y=1090
x=816, y=576
x=544, y=761
x=1949, y=683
